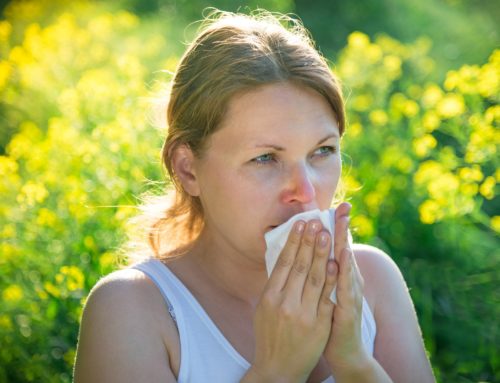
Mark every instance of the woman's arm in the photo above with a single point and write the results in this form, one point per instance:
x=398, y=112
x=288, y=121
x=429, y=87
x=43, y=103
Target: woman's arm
x=122, y=333
x=398, y=345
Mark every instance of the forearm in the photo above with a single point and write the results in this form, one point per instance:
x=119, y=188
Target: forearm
x=369, y=371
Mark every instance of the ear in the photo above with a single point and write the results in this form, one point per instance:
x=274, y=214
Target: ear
x=183, y=166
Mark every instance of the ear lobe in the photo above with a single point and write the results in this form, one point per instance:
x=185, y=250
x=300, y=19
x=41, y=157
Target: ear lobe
x=183, y=166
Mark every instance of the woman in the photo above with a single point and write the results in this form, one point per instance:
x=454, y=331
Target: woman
x=255, y=119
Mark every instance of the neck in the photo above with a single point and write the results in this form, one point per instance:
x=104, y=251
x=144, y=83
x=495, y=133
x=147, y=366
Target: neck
x=237, y=274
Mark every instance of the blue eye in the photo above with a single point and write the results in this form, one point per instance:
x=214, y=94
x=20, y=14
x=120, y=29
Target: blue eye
x=264, y=159
x=325, y=151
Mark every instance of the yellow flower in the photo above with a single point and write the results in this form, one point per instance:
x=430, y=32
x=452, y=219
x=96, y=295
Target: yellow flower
x=404, y=164
x=392, y=64
x=362, y=102
x=7, y=166
x=13, y=294
x=443, y=188
x=6, y=322
x=424, y=144
x=378, y=117
x=351, y=184
x=487, y=188
x=358, y=40
x=32, y=193
x=354, y=129
x=5, y=72
x=101, y=26
x=492, y=114
x=472, y=174
x=8, y=231
x=410, y=108
x=430, y=121
x=451, y=105
x=89, y=242
x=430, y=212
x=46, y=218
x=495, y=223
x=373, y=53
x=488, y=80
x=428, y=171
x=400, y=103
x=362, y=225
x=52, y=289
x=74, y=277
x=127, y=20
x=107, y=260
x=432, y=95
x=5, y=30
x=373, y=201
x=469, y=189
x=452, y=80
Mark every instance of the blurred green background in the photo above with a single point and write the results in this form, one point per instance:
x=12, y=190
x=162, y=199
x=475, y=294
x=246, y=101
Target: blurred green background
x=77, y=149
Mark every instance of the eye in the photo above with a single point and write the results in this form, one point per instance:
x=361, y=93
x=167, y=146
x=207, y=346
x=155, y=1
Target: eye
x=264, y=159
x=325, y=151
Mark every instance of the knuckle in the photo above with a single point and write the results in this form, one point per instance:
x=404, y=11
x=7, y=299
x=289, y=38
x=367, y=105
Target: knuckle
x=286, y=311
x=308, y=240
x=316, y=280
x=284, y=261
x=268, y=299
x=301, y=267
x=294, y=239
x=325, y=300
x=306, y=321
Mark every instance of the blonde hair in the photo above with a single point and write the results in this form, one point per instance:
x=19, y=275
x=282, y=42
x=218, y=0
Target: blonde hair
x=232, y=53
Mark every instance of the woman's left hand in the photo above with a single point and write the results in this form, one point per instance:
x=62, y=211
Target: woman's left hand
x=344, y=351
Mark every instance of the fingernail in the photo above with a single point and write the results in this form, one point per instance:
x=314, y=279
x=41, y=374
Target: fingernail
x=349, y=207
x=299, y=227
x=323, y=239
x=313, y=228
x=330, y=267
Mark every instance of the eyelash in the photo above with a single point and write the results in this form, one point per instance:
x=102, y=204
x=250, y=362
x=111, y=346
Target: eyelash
x=330, y=150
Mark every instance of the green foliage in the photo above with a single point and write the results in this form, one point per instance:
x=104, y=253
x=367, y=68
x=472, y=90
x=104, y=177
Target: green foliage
x=421, y=169
x=422, y=172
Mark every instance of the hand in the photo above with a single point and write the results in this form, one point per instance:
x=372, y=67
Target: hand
x=344, y=350
x=293, y=318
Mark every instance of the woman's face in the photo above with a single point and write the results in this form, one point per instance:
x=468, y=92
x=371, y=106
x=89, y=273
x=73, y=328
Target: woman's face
x=276, y=154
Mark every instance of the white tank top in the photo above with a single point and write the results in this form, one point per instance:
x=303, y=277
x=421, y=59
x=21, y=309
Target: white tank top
x=206, y=355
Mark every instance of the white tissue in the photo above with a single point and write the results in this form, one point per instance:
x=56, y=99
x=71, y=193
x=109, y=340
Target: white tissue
x=276, y=238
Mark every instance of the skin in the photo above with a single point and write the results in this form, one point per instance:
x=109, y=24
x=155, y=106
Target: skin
x=276, y=154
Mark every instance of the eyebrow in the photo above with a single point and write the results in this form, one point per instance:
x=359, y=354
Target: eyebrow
x=280, y=148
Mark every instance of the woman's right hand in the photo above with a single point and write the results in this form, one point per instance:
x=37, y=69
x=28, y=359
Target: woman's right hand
x=293, y=318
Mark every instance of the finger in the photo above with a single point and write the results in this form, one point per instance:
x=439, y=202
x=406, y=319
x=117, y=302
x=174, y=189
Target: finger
x=348, y=292
x=326, y=305
x=317, y=274
x=358, y=279
x=302, y=263
x=284, y=263
x=344, y=286
x=343, y=209
x=341, y=229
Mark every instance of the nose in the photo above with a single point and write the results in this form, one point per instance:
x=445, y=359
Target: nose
x=299, y=187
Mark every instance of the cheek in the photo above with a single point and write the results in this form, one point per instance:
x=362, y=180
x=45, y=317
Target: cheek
x=326, y=182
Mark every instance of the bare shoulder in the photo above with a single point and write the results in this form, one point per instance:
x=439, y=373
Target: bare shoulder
x=379, y=272
x=124, y=326
x=398, y=339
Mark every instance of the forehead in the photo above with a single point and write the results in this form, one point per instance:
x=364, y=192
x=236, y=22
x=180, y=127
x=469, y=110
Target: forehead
x=282, y=111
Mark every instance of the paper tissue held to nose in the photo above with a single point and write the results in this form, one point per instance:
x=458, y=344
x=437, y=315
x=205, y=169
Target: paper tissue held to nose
x=276, y=238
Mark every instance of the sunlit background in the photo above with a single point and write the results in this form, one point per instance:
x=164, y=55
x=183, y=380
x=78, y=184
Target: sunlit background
x=77, y=149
